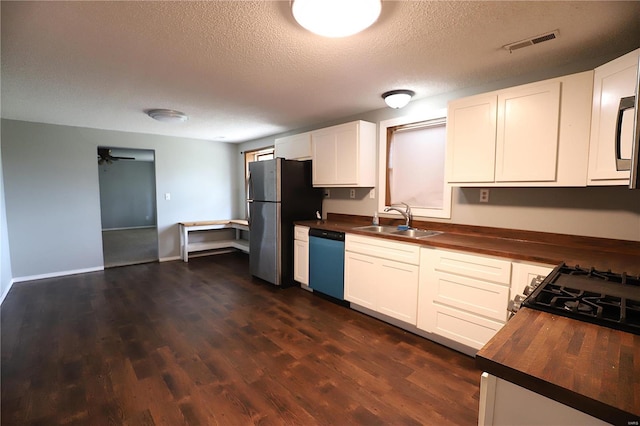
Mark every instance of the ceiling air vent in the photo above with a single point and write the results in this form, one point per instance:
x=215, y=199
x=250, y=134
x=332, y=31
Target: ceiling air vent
x=531, y=41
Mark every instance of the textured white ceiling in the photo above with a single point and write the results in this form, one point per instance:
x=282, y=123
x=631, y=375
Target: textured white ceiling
x=244, y=69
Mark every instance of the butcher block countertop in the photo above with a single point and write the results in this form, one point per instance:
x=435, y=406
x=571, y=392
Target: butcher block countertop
x=591, y=368
x=538, y=247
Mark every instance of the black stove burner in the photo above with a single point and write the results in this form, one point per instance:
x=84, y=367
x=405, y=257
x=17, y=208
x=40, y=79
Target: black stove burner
x=575, y=305
x=599, y=297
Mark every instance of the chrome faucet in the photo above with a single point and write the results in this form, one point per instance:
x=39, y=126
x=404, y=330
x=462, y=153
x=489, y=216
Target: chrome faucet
x=406, y=214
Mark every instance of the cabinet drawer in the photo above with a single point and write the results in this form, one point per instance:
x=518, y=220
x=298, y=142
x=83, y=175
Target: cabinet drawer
x=379, y=247
x=301, y=233
x=483, y=268
x=462, y=327
x=471, y=295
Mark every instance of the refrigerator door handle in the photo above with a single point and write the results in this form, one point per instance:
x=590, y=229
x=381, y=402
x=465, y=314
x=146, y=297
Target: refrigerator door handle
x=249, y=198
x=250, y=187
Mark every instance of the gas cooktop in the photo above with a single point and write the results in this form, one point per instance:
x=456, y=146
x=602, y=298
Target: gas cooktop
x=600, y=297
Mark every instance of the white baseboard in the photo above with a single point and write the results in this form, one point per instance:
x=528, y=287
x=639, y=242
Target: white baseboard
x=6, y=291
x=57, y=274
x=169, y=259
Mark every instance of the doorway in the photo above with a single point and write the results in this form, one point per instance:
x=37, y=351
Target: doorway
x=128, y=206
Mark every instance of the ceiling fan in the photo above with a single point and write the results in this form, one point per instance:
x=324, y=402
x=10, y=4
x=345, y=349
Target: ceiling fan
x=104, y=156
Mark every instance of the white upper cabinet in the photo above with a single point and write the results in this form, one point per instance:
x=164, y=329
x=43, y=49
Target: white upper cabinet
x=344, y=155
x=471, y=139
x=612, y=82
x=531, y=135
x=296, y=147
x=527, y=136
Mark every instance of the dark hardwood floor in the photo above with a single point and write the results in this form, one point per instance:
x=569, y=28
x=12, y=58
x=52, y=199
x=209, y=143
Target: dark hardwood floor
x=205, y=344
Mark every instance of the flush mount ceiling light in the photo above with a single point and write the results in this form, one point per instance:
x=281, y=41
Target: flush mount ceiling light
x=336, y=18
x=398, y=98
x=167, y=115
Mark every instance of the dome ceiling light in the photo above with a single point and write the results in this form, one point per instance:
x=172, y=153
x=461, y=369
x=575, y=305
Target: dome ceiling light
x=167, y=115
x=336, y=18
x=398, y=98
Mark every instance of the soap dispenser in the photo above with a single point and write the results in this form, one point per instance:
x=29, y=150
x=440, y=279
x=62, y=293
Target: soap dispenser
x=376, y=221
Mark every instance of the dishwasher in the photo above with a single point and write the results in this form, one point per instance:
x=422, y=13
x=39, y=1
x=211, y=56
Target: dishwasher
x=326, y=262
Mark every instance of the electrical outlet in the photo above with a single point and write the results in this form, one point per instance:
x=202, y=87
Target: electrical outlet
x=484, y=195
x=327, y=193
x=167, y=196
x=372, y=193
x=352, y=193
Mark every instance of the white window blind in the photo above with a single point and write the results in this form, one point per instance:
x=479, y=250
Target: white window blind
x=416, y=165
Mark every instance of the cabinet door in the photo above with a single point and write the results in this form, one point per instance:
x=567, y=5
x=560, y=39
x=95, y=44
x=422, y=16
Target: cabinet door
x=471, y=139
x=612, y=82
x=301, y=261
x=527, y=133
x=360, y=279
x=324, y=152
x=296, y=147
x=398, y=290
x=347, y=164
x=335, y=155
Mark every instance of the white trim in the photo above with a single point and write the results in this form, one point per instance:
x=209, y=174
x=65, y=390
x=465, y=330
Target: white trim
x=4, y=295
x=169, y=259
x=445, y=212
x=58, y=274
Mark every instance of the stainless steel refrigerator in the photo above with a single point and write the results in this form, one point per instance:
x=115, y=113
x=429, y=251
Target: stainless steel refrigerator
x=280, y=192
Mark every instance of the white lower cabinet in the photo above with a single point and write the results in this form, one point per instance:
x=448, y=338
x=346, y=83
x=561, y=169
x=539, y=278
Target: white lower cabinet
x=462, y=297
x=505, y=403
x=455, y=298
x=360, y=285
x=301, y=255
x=382, y=276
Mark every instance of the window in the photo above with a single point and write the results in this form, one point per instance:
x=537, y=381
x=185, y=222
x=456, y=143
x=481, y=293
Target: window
x=412, y=160
x=261, y=154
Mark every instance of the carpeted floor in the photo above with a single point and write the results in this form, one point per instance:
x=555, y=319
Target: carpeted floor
x=129, y=246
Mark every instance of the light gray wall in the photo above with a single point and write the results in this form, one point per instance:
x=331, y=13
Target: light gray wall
x=5, y=257
x=610, y=212
x=127, y=194
x=52, y=193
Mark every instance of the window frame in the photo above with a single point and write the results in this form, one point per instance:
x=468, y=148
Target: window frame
x=267, y=150
x=385, y=129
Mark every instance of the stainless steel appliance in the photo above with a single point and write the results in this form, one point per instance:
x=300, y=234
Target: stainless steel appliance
x=632, y=164
x=326, y=262
x=280, y=192
x=600, y=297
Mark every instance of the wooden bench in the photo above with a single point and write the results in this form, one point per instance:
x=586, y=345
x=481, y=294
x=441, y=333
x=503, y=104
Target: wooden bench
x=213, y=225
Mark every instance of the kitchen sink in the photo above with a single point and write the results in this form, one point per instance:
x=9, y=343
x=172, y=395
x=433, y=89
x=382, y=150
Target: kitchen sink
x=378, y=229
x=416, y=233
x=392, y=230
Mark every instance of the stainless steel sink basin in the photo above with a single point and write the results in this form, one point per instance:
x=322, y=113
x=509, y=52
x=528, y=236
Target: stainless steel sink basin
x=416, y=233
x=392, y=230
x=378, y=229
